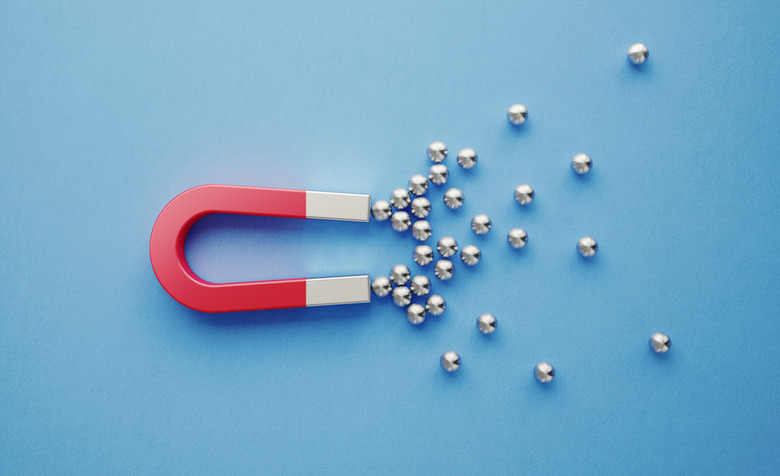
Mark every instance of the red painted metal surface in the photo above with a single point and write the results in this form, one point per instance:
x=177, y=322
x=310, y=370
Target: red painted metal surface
x=166, y=248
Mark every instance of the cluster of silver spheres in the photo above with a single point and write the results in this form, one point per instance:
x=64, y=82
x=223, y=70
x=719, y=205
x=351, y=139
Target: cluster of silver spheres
x=411, y=202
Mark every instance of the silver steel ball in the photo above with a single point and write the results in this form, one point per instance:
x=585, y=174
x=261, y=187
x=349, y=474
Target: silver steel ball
x=400, y=221
x=660, y=342
x=421, y=207
x=587, y=246
x=402, y=296
x=470, y=255
x=544, y=372
x=481, y=224
x=443, y=269
x=418, y=184
x=637, y=54
x=423, y=255
x=524, y=194
x=435, y=305
x=400, y=274
x=447, y=246
x=415, y=313
x=420, y=285
x=517, y=238
x=421, y=230
x=450, y=361
x=400, y=198
x=467, y=158
x=438, y=174
x=486, y=323
x=581, y=164
x=381, y=286
x=437, y=151
x=453, y=198
x=517, y=114
x=381, y=210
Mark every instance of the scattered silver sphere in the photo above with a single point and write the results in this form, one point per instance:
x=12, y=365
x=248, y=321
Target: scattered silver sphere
x=470, y=255
x=418, y=184
x=524, y=194
x=438, y=174
x=587, y=246
x=400, y=221
x=421, y=230
x=421, y=207
x=581, y=164
x=437, y=151
x=544, y=372
x=381, y=210
x=517, y=114
x=486, y=323
x=402, y=296
x=660, y=342
x=447, y=246
x=400, y=198
x=381, y=286
x=415, y=313
x=481, y=224
x=638, y=53
x=400, y=274
x=467, y=158
x=453, y=198
x=443, y=269
x=420, y=285
x=450, y=361
x=517, y=238
x=423, y=255
x=435, y=305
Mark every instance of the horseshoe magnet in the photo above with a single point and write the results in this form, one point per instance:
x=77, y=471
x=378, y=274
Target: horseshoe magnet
x=166, y=248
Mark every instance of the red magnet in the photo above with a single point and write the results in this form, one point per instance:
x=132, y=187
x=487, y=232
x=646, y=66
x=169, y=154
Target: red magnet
x=166, y=248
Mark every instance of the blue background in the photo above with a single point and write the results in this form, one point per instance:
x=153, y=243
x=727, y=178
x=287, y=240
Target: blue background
x=110, y=109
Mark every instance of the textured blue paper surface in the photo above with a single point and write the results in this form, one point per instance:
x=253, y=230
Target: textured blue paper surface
x=109, y=109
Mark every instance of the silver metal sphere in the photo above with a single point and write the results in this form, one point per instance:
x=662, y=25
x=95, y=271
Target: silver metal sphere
x=470, y=255
x=517, y=238
x=486, y=323
x=544, y=372
x=517, y=114
x=421, y=207
x=402, y=296
x=450, y=361
x=438, y=174
x=467, y=158
x=581, y=164
x=423, y=255
x=381, y=210
x=453, y=198
x=400, y=274
x=418, y=184
x=660, y=342
x=524, y=194
x=420, y=285
x=447, y=246
x=481, y=224
x=587, y=246
x=400, y=221
x=381, y=286
x=435, y=305
x=637, y=53
x=437, y=151
x=443, y=269
x=415, y=313
x=421, y=230
x=400, y=198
